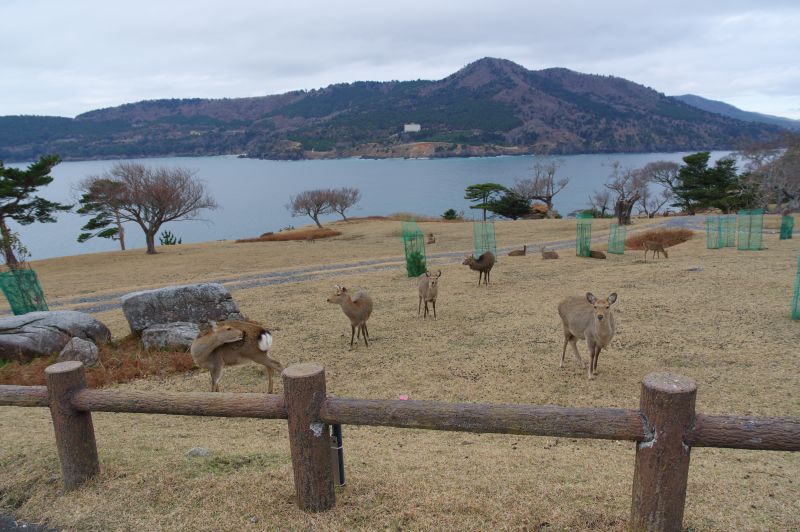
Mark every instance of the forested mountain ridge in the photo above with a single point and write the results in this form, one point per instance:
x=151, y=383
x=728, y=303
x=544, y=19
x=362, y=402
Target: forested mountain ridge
x=491, y=106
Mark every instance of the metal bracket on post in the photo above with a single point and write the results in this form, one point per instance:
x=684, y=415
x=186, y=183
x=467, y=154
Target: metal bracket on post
x=337, y=455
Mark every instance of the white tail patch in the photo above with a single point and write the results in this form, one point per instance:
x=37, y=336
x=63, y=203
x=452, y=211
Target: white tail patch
x=264, y=341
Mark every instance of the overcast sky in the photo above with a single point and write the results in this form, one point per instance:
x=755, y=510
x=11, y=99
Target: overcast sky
x=66, y=57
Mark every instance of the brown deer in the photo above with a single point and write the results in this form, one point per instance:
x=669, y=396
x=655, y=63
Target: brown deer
x=518, y=252
x=483, y=265
x=548, y=254
x=431, y=239
x=428, y=291
x=587, y=318
x=596, y=254
x=230, y=343
x=357, y=308
x=655, y=247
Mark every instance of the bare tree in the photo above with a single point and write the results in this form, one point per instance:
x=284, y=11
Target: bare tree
x=652, y=203
x=665, y=174
x=313, y=203
x=542, y=185
x=775, y=171
x=341, y=199
x=599, y=201
x=149, y=197
x=626, y=185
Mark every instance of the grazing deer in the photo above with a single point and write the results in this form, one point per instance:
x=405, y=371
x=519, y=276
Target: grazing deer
x=431, y=239
x=518, y=252
x=548, y=254
x=483, y=265
x=655, y=247
x=357, y=308
x=428, y=291
x=311, y=240
x=229, y=343
x=596, y=254
x=587, y=318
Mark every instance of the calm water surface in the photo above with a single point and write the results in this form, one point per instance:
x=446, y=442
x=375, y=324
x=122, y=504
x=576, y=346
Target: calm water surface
x=252, y=194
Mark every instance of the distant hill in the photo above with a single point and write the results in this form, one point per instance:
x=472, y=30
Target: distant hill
x=491, y=106
x=726, y=109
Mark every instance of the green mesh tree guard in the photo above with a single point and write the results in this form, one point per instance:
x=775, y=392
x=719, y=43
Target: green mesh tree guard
x=483, y=239
x=729, y=230
x=751, y=225
x=414, y=244
x=796, y=298
x=715, y=236
x=787, y=226
x=22, y=290
x=583, y=235
x=616, y=239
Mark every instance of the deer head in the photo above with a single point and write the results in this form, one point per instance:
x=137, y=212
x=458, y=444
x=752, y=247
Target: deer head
x=602, y=307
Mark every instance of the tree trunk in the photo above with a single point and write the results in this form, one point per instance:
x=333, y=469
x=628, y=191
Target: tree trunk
x=624, y=208
x=8, y=250
x=316, y=220
x=549, y=203
x=150, y=236
x=120, y=232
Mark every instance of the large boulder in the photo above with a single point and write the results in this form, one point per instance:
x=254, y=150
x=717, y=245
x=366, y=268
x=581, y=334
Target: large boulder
x=178, y=335
x=45, y=333
x=194, y=303
x=80, y=350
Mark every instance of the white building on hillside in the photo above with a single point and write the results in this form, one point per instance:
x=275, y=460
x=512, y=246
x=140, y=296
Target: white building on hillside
x=412, y=128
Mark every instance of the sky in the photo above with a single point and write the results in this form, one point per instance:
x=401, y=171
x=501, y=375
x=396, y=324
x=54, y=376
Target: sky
x=67, y=57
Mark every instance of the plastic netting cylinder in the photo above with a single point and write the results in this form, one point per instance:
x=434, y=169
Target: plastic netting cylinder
x=616, y=239
x=796, y=296
x=714, y=232
x=414, y=246
x=483, y=238
x=583, y=235
x=22, y=290
x=728, y=229
x=750, y=229
x=787, y=227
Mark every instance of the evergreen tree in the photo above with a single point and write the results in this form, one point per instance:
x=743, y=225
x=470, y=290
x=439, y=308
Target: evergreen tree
x=18, y=203
x=485, y=194
x=510, y=205
x=98, y=199
x=701, y=187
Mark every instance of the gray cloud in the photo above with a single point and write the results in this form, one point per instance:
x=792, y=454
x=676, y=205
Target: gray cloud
x=69, y=57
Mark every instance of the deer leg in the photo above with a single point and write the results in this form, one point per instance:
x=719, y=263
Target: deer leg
x=425, y=314
x=419, y=307
x=217, y=369
x=574, y=343
x=480, y=274
x=596, y=358
x=364, y=330
x=564, y=352
x=352, y=335
x=434, y=308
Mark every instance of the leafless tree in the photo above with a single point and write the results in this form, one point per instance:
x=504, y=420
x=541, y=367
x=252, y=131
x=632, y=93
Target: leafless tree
x=313, y=203
x=341, y=199
x=150, y=197
x=599, y=201
x=775, y=168
x=652, y=203
x=542, y=185
x=626, y=185
x=664, y=174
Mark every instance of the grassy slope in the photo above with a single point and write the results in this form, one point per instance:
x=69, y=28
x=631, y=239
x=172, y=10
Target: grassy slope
x=726, y=327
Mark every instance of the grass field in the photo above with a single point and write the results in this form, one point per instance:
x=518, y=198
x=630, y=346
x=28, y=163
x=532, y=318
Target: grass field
x=725, y=326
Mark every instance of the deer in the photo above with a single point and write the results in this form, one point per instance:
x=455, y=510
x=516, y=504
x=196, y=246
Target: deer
x=357, y=308
x=587, y=318
x=230, y=343
x=483, y=265
x=431, y=239
x=596, y=254
x=518, y=252
x=548, y=254
x=655, y=247
x=428, y=290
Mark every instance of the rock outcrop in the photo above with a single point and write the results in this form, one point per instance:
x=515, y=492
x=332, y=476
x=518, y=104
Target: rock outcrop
x=37, y=334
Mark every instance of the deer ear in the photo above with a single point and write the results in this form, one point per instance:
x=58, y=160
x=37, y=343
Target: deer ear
x=213, y=325
x=590, y=298
x=440, y=274
x=343, y=289
x=427, y=273
x=612, y=298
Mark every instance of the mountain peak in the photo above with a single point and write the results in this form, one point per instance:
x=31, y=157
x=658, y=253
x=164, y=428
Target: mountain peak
x=486, y=70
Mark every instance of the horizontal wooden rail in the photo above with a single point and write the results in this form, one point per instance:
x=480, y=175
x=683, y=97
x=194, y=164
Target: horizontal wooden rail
x=255, y=405
x=599, y=423
x=741, y=432
x=24, y=395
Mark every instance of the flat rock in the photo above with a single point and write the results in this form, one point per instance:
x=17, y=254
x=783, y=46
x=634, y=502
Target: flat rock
x=45, y=333
x=193, y=303
x=81, y=350
x=178, y=335
x=198, y=451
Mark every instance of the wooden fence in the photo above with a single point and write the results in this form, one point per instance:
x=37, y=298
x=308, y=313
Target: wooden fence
x=665, y=428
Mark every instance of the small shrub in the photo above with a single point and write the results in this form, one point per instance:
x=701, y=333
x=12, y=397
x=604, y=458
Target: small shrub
x=168, y=239
x=300, y=234
x=666, y=237
x=450, y=214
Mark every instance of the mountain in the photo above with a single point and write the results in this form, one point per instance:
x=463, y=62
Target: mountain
x=726, y=109
x=489, y=107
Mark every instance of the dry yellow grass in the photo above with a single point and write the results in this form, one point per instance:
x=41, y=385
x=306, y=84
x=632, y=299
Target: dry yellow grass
x=726, y=326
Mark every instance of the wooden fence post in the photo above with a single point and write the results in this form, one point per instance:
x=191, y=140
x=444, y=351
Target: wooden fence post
x=662, y=463
x=304, y=392
x=77, y=449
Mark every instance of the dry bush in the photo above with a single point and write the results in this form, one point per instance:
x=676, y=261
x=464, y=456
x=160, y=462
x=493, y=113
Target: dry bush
x=666, y=237
x=300, y=234
x=119, y=362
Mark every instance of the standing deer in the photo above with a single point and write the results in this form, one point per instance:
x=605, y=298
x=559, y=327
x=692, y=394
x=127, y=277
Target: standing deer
x=587, y=318
x=358, y=309
x=229, y=343
x=548, y=254
x=483, y=265
x=518, y=252
x=428, y=291
x=431, y=239
x=655, y=247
